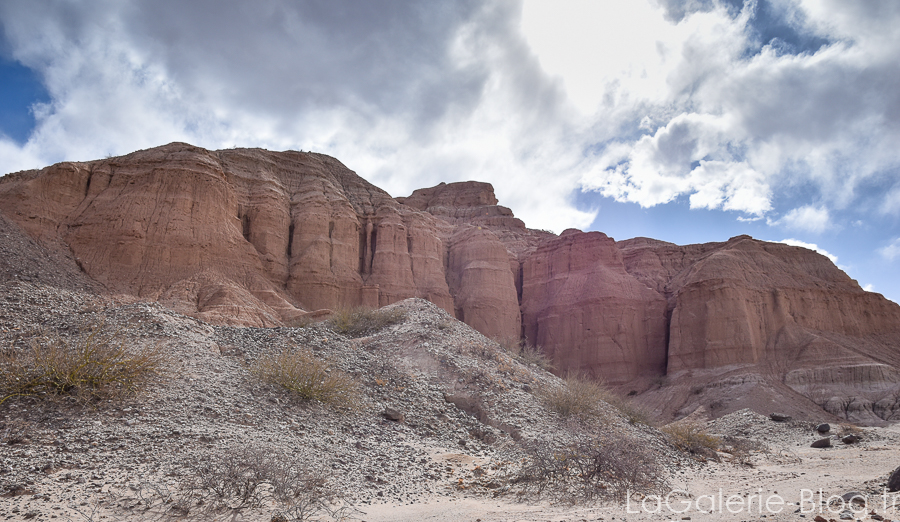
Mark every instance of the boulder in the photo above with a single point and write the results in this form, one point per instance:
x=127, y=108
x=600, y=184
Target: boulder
x=850, y=439
x=821, y=443
x=893, y=483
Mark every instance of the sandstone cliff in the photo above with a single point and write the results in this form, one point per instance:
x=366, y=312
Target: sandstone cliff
x=237, y=236
x=253, y=237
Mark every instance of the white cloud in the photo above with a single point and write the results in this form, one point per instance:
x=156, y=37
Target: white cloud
x=810, y=246
x=814, y=118
x=407, y=94
x=869, y=288
x=807, y=219
x=891, y=251
x=645, y=102
x=891, y=202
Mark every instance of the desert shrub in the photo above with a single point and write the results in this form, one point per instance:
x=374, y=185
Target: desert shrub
x=848, y=429
x=693, y=439
x=234, y=481
x=582, y=396
x=632, y=412
x=96, y=366
x=590, y=470
x=357, y=322
x=527, y=353
x=308, y=378
x=534, y=355
x=739, y=448
x=579, y=396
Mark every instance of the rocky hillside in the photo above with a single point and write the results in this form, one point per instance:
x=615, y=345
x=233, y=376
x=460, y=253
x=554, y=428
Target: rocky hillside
x=248, y=237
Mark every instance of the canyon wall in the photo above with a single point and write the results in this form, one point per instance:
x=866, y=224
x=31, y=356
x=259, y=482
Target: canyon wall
x=252, y=237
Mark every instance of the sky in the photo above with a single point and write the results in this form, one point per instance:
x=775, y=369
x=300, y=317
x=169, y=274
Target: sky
x=687, y=121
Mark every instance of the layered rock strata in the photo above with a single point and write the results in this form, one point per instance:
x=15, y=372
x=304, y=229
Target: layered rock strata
x=253, y=237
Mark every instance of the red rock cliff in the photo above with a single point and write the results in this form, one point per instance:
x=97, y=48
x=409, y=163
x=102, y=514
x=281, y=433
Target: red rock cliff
x=240, y=236
x=253, y=237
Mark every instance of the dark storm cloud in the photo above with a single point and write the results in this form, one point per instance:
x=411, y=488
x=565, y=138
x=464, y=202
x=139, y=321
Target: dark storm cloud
x=375, y=58
x=413, y=93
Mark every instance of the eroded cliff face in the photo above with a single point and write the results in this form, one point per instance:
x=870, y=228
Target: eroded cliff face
x=261, y=238
x=237, y=236
x=784, y=313
x=580, y=304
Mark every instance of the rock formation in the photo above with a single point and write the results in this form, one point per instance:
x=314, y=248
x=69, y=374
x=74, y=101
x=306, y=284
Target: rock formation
x=252, y=237
x=241, y=236
x=590, y=314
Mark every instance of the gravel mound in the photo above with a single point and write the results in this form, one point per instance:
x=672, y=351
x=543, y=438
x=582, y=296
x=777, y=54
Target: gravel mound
x=443, y=412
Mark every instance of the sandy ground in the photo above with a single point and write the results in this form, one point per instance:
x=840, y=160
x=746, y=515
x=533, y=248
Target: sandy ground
x=793, y=481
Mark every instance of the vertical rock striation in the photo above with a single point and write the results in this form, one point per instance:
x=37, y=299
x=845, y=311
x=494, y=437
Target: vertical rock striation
x=253, y=237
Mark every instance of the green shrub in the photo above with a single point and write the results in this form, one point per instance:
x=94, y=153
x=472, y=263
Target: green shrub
x=357, y=322
x=96, y=366
x=308, y=378
x=582, y=396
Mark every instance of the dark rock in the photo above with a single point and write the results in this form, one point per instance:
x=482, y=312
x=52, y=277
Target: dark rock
x=779, y=417
x=893, y=483
x=821, y=443
x=854, y=496
x=394, y=415
x=823, y=428
x=850, y=439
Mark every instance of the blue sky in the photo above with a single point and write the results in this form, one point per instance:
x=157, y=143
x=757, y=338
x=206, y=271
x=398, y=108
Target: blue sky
x=689, y=121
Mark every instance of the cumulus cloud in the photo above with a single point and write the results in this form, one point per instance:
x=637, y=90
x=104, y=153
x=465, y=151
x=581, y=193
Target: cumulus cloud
x=790, y=94
x=807, y=219
x=891, y=251
x=409, y=94
x=760, y=107
x=810, y=246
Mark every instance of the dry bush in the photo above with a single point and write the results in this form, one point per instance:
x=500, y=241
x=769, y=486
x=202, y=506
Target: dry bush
x=233, y=482
x=360, y=321
x=739, y=448
x=579, y=396
x=693, y=439
x=527, y=353
x=308, y=378
x=96, y=366
x=533, y=355
x=845, y=429
x=590, y=470
x=632, y=412
x=582, y=396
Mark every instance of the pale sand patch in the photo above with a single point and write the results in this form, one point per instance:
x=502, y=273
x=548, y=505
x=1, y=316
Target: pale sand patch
x=792, y=480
